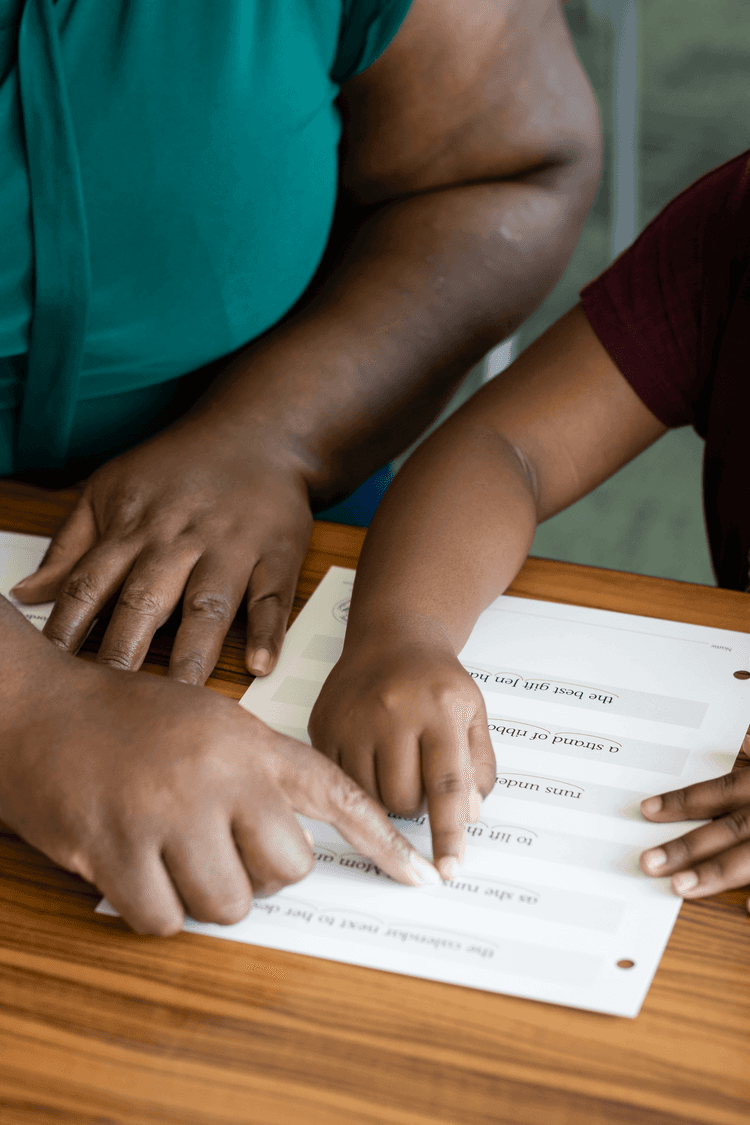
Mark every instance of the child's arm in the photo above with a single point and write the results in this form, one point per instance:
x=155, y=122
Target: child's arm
x=398, y=711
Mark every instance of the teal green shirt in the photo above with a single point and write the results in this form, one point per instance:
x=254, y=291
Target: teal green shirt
x=168, y=177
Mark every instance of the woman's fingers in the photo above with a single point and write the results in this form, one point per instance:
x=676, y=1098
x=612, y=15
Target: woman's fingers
x=89, y=585
x=154, y=556
x=274, y=849
x=150, y=593
x=76, y=536
x=213, y=595
x=702, y=800
x=316, y=788
x=208, y=873
x=141, y=891
x=269, y=602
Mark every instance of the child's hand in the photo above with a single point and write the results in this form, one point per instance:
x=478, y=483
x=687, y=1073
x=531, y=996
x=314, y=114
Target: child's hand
x=715, y=857
x=408, y=723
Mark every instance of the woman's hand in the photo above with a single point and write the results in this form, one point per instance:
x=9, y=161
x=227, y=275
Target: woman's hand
x=196, y=513
x=715, y=857
x=408, y=723
x=170, y=798
x=463, y=189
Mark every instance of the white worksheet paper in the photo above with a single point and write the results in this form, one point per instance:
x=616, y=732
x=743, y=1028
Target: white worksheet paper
x=20, y=555
x=589, y=712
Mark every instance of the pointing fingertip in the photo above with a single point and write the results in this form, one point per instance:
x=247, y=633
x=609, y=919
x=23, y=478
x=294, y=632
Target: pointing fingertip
x=22, y=585
x=448, y=867
x=260, y=662
x=422, y=871
x=651, y=806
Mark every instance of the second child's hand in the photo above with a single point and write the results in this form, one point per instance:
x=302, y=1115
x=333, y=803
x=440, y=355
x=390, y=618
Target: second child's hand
x=409, y=725
x=714, y=857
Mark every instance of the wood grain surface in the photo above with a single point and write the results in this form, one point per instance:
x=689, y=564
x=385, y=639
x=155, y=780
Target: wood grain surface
x=101, y=1027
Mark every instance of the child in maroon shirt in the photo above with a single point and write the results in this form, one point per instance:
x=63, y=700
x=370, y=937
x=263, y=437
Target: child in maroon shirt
x=674, y=315
x=659, y=340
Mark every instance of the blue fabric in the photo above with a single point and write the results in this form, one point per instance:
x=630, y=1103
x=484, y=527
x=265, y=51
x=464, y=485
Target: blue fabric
x=167, y=181
x=359, y=508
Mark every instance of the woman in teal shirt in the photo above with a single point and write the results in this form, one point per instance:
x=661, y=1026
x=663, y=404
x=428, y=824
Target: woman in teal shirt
x=202, y=274
x=166, y=193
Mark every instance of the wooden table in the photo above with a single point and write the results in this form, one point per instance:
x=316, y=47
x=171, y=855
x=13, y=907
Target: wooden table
x=99, y=1026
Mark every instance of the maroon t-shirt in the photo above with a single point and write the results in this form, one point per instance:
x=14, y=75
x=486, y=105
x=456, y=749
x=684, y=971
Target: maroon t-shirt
x=673, y=312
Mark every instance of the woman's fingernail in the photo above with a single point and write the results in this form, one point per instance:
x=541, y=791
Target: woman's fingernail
x=260, y=662
x=655, y=859
x=448, y=868
x=309, y=837
x=651, y=806
x=21, y=585
x=424, y=873
x=683, y=883
x=475, y=806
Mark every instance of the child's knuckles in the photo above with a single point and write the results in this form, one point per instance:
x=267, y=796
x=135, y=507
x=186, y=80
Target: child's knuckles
x=447, y=783
x=392, y=699
x=401, y=802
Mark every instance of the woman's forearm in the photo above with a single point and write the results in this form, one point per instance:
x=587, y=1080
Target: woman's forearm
x=421, y=291
x=27, y=662
x=450, y=536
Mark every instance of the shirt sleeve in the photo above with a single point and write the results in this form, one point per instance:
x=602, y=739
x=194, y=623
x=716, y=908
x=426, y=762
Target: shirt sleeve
x=367, y=27
x=656, y=306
